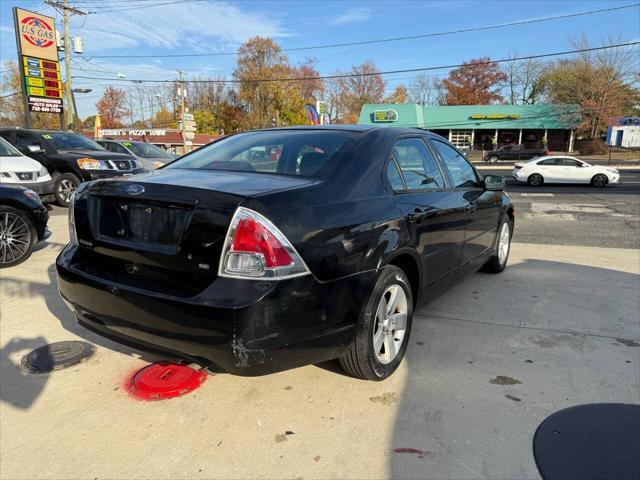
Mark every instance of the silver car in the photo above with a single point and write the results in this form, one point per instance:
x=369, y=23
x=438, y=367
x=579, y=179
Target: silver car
x=149, y=156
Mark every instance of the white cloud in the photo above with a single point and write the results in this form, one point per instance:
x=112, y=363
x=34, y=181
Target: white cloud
x=353, y=15
x=6, y=29
x=203, y=25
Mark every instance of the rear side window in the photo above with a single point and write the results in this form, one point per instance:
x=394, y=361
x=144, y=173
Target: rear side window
x=550, y=161
x=286, y=152
x=418, y=167
x=462, y=173
x=393, y=175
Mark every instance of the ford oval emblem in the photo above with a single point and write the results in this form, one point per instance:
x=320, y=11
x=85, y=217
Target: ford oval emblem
x=134, y=189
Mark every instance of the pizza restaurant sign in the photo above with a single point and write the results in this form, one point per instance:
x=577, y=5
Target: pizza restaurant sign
x=155, y=132
x=495, y=116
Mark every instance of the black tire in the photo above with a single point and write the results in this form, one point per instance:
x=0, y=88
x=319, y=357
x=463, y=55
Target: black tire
x=17, y=236
x=361, y=360
x=535, y=180
x=495, y=264
x=63, y=184
x=599, y=180
x=493, y=159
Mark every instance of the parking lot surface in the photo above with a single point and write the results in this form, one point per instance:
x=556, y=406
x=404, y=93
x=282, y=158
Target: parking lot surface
x=487, y=363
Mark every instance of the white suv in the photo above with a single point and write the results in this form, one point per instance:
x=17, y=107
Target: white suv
x=18, y=169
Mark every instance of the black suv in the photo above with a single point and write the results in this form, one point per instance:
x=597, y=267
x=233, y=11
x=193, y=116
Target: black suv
x=70, y=158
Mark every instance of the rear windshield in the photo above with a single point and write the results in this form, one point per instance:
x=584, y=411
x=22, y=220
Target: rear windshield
x=71, y=141
x=286, y=152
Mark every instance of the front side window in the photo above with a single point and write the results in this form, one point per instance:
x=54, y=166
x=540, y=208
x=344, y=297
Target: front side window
x=418, y=167
x=285, y=152
x=71, y=141
x=146, y=150
x=462, y=173
x=570, y=162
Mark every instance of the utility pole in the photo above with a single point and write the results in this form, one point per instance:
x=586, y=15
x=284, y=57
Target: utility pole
x=182, y=95
x=67, y=11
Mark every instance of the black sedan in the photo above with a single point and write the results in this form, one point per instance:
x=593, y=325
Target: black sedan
x=273, y=249
x=23, y=224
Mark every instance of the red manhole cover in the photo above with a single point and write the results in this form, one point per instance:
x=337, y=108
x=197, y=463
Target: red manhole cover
x=165, y=380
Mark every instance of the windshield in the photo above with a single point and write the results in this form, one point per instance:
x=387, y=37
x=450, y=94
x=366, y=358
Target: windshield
x=146, y=150
x=71, y=141
x=287, y=152
x=8, y=150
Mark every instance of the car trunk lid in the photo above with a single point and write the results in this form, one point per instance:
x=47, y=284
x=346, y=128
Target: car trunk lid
x=165, y=230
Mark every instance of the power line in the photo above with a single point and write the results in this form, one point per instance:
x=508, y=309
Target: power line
x=369, y=74
x=384, y=40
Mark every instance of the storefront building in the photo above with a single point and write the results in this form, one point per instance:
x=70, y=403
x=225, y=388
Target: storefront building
x=484, y=127
x=166, y=138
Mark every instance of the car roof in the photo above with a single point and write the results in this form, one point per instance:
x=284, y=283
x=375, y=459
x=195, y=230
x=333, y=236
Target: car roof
x=344, y=127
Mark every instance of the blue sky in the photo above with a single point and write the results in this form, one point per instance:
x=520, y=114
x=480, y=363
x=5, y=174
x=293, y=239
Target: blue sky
x=221, y=26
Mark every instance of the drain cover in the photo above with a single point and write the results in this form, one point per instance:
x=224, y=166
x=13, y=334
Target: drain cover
x=165, y=380
x=56, y=356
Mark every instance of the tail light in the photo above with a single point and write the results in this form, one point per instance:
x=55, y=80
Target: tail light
x=255, y=249
x=73, y=235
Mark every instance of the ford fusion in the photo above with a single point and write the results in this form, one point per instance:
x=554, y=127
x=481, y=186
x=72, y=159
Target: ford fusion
x=273, y=249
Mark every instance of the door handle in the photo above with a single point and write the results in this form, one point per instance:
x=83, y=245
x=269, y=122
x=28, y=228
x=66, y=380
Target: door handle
x=417, y=215
x=471, y=207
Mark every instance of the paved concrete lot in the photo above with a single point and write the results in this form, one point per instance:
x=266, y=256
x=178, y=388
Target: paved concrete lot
x=487, y=362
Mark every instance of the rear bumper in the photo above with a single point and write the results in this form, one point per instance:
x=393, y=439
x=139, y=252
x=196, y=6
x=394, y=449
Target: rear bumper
x=242, y=327
x=89, y=175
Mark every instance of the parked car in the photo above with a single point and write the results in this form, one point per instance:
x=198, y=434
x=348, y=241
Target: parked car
x=564, y=170
x=149, y=156
x=514, y=152
x=18, y=169
x=70, y=158
x=23, y=223
x=250, y=266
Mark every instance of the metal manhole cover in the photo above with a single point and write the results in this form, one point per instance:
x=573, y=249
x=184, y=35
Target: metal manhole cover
x=56, y=356
x=165, y=380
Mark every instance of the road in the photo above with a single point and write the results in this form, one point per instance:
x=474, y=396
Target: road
x=560, y=325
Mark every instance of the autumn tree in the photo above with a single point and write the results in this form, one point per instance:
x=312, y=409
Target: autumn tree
x=311, y=86
x=399, y=95
x=362, y=84
x=476, y=82
x=112, y=107
x=600, y=82
x=265, y=101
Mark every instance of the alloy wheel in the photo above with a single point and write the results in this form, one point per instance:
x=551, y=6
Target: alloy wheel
x=503, y=243
x=599, y=181
x=390, y=324
x=15, y=237
x=66, y=189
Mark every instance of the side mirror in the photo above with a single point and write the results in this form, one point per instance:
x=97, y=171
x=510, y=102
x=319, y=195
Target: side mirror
x=493, y=182
x=35, y=149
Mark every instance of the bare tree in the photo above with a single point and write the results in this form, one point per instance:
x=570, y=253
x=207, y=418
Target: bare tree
x=523, y=83
x=422, y=90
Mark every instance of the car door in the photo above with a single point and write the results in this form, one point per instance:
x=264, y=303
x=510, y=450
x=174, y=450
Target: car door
x=550, y=169
x=435, y=215
x=24, y=140
x=482, y=206
x=575, y=171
